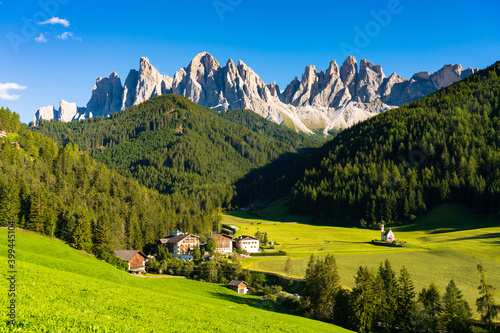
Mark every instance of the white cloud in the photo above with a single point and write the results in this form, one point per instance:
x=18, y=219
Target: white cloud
x=67, y=35
x=56, y=20
x=5, y=87
x=41, y=38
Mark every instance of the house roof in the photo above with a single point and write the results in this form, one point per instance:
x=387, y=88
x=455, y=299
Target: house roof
x=220, y=235
x=242, y=237
x=175, y=238
x=126, y=255
x=236, y=283
x=387, y=232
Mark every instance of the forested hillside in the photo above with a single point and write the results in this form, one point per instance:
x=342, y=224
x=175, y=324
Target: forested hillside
x=173, y=145
x=61, y=191
x=444, y=147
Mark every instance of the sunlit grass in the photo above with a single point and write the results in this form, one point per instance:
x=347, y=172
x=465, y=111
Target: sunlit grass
x=60, y=289
x=444, y=245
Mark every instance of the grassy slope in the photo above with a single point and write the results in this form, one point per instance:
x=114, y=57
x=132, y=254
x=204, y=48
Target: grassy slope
x=444, y=244
x=61, y=289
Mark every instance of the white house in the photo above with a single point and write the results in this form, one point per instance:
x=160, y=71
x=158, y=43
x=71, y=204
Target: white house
x=247, y=243
x=386, y=236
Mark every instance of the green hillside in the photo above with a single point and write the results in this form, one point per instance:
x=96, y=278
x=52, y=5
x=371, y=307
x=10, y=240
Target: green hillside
x=399, y=164
x=62, y=192
x=171, y=144
x=60, y=289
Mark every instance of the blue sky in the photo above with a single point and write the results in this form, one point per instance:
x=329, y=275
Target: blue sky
x=55, y=49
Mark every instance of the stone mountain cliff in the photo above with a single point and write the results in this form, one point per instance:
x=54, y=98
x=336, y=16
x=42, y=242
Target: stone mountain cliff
x=335, y=98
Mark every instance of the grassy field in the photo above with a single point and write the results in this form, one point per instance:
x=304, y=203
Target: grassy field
x=444, y=246
x=63, y=290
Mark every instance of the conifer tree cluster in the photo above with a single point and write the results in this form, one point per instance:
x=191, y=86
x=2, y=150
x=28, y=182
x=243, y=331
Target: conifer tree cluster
x=385, y=300
x=397, y=165
x=62, y=192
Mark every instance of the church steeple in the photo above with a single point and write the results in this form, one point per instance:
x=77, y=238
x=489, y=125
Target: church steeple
x=382, y=231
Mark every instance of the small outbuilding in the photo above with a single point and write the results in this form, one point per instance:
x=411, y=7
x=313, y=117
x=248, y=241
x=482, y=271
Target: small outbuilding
x=136, y=259
x=240, y=286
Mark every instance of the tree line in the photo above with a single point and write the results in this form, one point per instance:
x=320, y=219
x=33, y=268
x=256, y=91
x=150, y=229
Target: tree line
x=397, y=165
x=385, y=300
x=62, y=192
x=173, y=145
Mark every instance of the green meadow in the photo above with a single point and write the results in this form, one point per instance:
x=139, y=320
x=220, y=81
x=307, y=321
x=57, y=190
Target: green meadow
x=445, y=244
x=60, y=289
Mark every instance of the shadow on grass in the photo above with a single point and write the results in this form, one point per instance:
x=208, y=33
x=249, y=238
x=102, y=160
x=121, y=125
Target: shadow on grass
x=253, y=302
x=483, y=236
x=450, y=217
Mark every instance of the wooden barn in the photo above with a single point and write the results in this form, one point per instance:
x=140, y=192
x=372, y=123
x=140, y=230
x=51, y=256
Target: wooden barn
x=136, y=259
x=240, y=286
x=224, y=243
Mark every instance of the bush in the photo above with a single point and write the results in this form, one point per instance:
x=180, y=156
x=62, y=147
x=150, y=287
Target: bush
x=269, y=254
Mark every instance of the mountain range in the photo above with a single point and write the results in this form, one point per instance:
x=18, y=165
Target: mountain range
x=331, y=99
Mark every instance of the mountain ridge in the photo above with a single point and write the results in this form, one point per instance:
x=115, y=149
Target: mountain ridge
x=331, y=99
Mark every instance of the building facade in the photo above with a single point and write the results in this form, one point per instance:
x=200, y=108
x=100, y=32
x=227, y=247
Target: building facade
x=136, y=259
x=247, y=243
x=180, y=245
x=224, y=243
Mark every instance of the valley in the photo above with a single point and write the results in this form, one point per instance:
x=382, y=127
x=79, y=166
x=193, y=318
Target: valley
x=445, y=244
x=61, y=289
x=246, y=166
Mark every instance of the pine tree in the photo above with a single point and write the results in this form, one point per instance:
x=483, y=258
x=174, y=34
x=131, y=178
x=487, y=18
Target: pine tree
x=456, y=311
x=102, y=243
x=328, y=281
x=82, y=238
x=342, y=315
x=386, y=288
x=406, y=295
x=289, y=267
x=486, y=302
x=362, y=297
x=10, y=205
x=431, y=301
x=38, y=210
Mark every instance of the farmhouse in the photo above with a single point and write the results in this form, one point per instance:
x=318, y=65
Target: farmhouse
x=247, y=243
x=387, y=236
x=240, y=286
x=180, y=245
x=224, y=243
x=136, y=259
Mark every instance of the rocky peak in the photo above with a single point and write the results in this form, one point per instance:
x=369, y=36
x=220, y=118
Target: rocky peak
x=446, y=76
x=369, y=80
x=421, y=76
x=336, y=97
x=67, y=111
x=150, y=82
x=332, y=72
x=202, y=65
x=107, y=96
x=349, y=73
